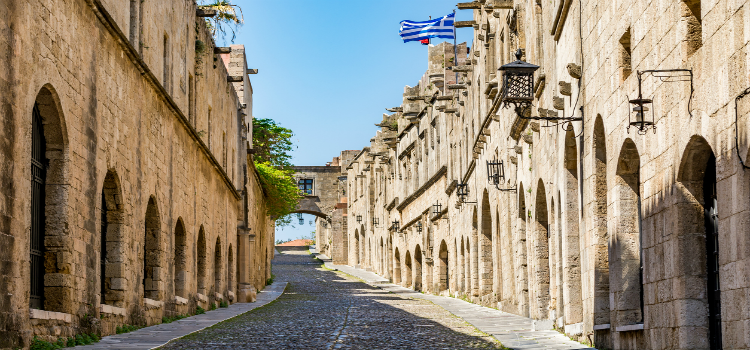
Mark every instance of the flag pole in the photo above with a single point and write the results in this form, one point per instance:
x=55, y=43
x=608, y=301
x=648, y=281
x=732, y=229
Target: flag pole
x=455, y=47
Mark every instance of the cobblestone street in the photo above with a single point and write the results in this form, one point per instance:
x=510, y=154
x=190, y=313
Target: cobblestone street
x=324, y=309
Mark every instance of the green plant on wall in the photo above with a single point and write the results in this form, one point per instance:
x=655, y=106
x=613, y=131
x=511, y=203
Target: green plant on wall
x=228, y=17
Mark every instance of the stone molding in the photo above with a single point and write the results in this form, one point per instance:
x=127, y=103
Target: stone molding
x=50, y=315
x=180, y=300
x=200, y=297
x=151, y=304
x=112, y=310
x=630, y=328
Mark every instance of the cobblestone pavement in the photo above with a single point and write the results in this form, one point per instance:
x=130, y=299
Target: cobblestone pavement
x=515, y=332
x=323, y=309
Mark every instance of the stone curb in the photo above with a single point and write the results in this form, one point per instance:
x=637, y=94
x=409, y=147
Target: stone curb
x=156, y=336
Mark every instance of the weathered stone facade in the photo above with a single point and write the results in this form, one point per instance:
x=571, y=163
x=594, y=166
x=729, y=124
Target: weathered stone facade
x=606, y=233
x=149, y=204
x=327, y=201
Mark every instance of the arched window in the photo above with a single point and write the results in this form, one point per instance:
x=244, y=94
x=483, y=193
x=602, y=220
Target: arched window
x=39, y=166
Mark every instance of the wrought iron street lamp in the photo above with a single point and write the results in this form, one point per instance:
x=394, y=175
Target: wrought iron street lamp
x=375, y=222
x=395, y=225
x=359, y=219
x=496, y=174
x=518, y=84
x=300, y=218
x=641, y=121
x=419, y=227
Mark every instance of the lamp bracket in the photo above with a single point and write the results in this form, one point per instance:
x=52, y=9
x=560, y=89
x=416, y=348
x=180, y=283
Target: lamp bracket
x=665, y=76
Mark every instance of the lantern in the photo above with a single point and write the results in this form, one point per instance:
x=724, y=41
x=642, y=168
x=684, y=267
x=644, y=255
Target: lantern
x=495, y=172
x=359, y=219
x=462, y=190
x=518, y=84
x=419, y=227
x=300, y=218
x=395, y=225
x=375, y=222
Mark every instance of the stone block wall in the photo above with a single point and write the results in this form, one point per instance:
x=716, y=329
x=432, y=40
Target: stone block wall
x=143, y=127
x=602, y=228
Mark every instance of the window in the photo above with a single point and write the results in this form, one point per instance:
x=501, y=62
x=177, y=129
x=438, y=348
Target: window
x=38, y=177
x=305, y=186
x=626, y=66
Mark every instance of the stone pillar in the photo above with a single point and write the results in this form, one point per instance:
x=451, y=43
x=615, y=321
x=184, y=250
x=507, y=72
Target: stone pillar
x=245, y=242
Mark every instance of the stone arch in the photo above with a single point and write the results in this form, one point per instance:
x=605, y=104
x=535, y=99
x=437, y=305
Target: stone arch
x=540, y=246
x=396, y=267
x=49, y=206
x=418, y=268
x=356, y=247
x=408, y=269
x=571, y=251
x=486, y=269
x=180, y=260
x=152, y=252
x=522, y=285
x=697, y=243
x=600, y=234
x=473, y=250
x=218, y=266
x=443, y=266
x=625, y=244
x=113, y=246
x=201, y=261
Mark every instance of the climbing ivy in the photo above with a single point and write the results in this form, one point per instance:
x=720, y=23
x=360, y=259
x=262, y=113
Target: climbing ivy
x=282, y=194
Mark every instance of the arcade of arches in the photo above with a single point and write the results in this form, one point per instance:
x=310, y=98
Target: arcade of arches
x=625, y=239
x=115, y=205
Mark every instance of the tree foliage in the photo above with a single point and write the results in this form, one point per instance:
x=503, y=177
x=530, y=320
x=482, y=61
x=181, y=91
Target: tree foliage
x=281, y=191
x=228, y=17
x=272, y=143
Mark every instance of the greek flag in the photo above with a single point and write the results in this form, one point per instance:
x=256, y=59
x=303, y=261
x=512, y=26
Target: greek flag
x=436, y=28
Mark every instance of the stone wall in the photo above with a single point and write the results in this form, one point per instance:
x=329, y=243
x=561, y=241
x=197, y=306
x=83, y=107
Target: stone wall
x=586, y=204
x=139, y=122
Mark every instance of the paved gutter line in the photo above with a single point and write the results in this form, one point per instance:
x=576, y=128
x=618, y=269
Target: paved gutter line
x=226, y=319
x=138, y=339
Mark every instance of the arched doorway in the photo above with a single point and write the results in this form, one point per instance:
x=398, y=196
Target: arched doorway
x=486, y=269
x=698, y=236
x=356, y=247
x=201, y=261
x=625, y=244
x=541, y=256
x=443, y=266
x=519, y=250
x=600, y=233
x=111, y=243
x=409, y=271
x=218, y=267
x=417, y=268
x=180, y=260
x=396, y=267
x=152, y=252
x=472, y=246
x=49, y=206
x=572, y=292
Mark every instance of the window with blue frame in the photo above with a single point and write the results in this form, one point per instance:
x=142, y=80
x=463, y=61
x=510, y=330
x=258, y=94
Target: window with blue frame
x=305, y=186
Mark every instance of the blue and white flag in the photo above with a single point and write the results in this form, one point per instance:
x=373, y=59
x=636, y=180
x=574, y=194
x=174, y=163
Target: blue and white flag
x=436, y=28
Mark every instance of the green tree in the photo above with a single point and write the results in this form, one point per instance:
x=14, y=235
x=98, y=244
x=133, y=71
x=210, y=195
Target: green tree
x=272, y=143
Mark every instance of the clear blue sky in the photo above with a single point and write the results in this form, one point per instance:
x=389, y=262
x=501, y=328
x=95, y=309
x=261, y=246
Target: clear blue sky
x=329, y=68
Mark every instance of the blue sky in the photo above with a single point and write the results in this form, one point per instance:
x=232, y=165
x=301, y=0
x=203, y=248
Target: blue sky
x=329, y=68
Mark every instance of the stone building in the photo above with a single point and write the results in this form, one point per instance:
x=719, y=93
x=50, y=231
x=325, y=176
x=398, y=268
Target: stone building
x=627, y=238
x=128, y=190
x=324, y=195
